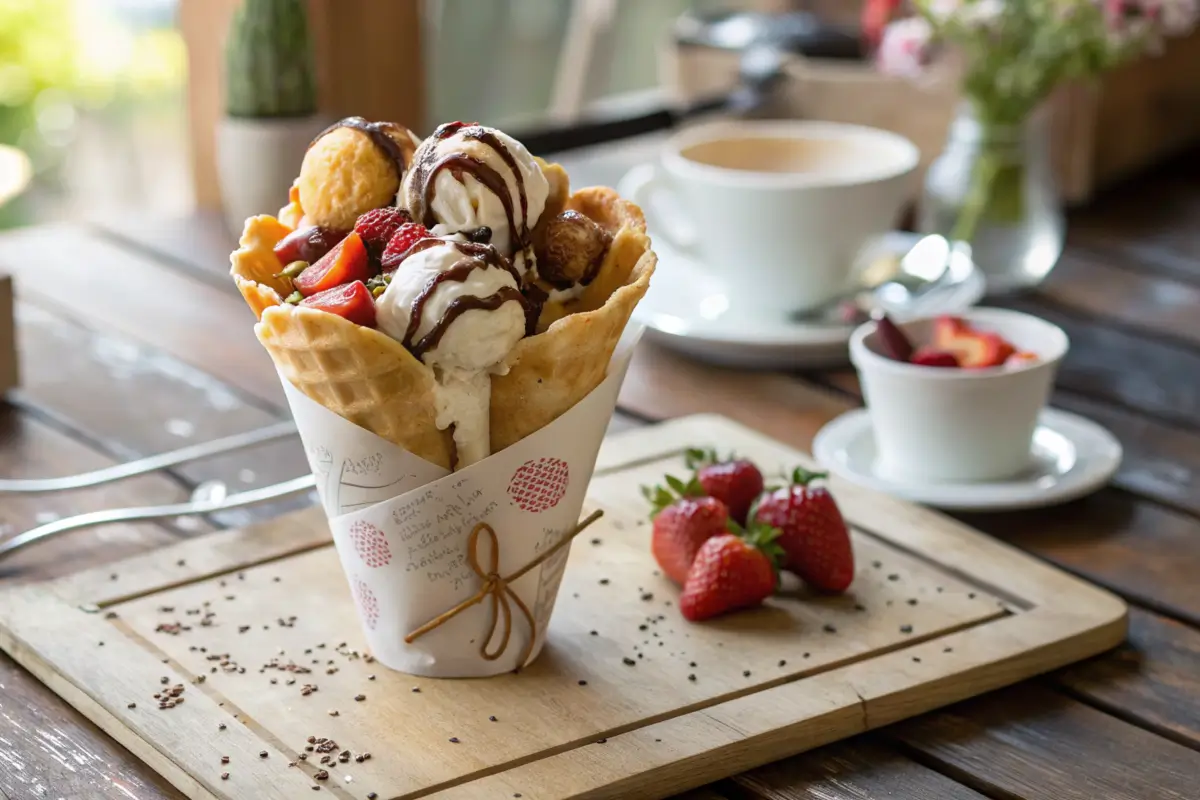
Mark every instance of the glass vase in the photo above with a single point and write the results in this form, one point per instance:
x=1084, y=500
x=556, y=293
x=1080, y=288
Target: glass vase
x=994, y=187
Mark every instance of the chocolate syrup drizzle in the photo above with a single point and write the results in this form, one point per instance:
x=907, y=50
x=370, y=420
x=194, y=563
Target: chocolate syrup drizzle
x=478, y=256
x=377, y=132
x=426, y=169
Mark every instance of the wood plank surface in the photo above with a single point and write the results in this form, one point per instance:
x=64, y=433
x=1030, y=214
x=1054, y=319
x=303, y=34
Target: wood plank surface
x=860, y=769
x=140, y=401
x=1032, y=743
x=77, y=273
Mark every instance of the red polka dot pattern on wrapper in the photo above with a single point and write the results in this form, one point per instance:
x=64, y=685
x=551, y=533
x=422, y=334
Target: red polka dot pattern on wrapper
x=370, y=543
x=368, y=605
x=539, y=484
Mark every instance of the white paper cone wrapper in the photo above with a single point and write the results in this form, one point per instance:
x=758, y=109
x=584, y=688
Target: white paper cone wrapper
x=401, y=526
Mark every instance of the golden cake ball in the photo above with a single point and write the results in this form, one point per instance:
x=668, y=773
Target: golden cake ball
x=347, y=172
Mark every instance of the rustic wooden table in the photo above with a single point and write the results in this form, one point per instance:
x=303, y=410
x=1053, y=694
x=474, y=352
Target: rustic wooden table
x=134, y=341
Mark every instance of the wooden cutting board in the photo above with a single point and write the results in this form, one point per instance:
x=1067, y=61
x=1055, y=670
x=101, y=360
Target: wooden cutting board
x=627, y=700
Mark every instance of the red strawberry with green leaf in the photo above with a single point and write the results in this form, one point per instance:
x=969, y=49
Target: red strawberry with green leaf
x=683, y=521
x=736, y=482
x=731, y=572
x=812, y=532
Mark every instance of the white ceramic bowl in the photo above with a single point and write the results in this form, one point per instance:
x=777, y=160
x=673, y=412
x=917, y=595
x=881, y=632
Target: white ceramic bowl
x=948, y=425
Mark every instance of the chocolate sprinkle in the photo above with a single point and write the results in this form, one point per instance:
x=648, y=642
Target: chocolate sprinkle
x=906, y=628
x=629, y=662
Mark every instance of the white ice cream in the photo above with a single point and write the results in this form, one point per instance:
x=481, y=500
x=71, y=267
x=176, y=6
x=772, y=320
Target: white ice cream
x=471, y=349
x=468, y=204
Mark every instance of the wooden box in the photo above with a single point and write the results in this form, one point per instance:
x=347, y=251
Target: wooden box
x=1132, y=118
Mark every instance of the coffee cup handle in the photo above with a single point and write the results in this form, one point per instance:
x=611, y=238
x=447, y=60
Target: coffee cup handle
x=640, y=185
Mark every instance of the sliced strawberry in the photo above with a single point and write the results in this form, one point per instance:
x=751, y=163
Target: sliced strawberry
x=352, y=301
x=345, y=263
x=974, y=349
x=928, y=357
x=405, y=237
x=1022, y=358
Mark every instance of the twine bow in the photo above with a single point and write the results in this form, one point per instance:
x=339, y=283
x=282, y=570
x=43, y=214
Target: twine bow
x=497, y=587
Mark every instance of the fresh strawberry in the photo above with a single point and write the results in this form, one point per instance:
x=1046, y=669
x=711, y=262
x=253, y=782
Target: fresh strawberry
x=307, y=244
x=974, y=349
x=731, y=572
x=736, y=482
x=812, y=532
x=345, y=263
x=683, y=520
x=405, y=237
x=352, y=301
x=928, y=357
x=894, y=343
x=377, y=227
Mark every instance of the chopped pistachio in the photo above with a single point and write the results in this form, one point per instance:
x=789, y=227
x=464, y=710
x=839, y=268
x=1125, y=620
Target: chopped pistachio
x=294, y=298
x=295, y=268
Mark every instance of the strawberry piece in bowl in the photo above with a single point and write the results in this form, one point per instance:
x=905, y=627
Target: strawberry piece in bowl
x=932, y=357
x=345, y=263
x=973, y=349
x=352, y=301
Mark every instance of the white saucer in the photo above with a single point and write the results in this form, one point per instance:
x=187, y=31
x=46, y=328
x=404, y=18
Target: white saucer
x=1071, y=457
x=687, y=310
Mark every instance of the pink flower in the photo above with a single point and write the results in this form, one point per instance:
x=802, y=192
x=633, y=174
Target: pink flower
x=905, y=48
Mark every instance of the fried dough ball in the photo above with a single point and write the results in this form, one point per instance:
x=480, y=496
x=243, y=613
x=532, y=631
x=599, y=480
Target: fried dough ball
x=346, y=174
x=569, y=249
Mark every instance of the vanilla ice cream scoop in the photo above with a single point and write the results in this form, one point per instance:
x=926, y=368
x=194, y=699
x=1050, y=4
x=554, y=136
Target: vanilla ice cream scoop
x=465, y=177
x=456, y=306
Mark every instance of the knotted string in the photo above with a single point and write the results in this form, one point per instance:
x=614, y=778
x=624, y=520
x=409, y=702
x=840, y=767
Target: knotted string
x=497, y=587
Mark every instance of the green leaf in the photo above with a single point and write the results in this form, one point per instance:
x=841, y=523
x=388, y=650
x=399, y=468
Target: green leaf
x=697, y=457
x=802, y=477
x=679, y=486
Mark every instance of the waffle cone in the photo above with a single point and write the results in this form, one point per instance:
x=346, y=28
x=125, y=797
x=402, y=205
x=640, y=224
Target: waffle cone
x=373, y=381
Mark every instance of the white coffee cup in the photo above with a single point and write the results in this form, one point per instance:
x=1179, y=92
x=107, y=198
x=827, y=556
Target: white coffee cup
x=779, y=211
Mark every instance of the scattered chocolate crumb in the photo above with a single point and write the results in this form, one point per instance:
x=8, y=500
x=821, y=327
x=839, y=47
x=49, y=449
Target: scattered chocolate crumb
x=593, y=633
x=783, y=662
x=647, y=596
x=224, y=775
x=692, y=677
x=492, y=719
x=939, y=590
x=344, y=756
x=906, y=628
x=629, y=662
x=601, y=741
x=691, y=663
x=164, y=680
x=112, y=577
x=372, y=796
x=221, y=726
x=201, y=678
x=181, y=563
x=454, y=740
x=263, y=754
x=806, y=655
x=224, y=759
x=333, y=712
x=916, y=659
x=316, y=788
x=970, y=595
x=604, y=581
x=360, y=697
x=829, y=628
x=745, y=673
x=132, y=705
x=876, y=564
x=311, y=740
x=642, y=627
x=912, y=601
x=321, y=775
x=859, y=607
x=111, y=615
x=893, y=577
x=100, y=644
x=370, y=677
x=596, y=541
x=277, y=579
x=948, y=650
x=416, y=689
x=582, y=682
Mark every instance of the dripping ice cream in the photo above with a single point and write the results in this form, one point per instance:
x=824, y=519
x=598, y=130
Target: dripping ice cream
x=458, y=307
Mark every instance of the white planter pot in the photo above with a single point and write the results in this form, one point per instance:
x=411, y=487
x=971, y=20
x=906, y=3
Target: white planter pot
x=257, y=160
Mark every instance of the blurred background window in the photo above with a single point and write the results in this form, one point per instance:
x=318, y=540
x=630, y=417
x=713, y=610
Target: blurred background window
x=94, y=91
